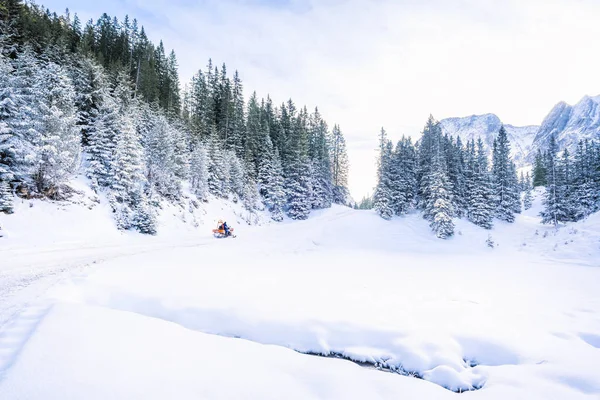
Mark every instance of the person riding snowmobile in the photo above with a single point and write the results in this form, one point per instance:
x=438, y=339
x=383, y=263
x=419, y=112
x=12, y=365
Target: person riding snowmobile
x=222, y=226
x=226, y=228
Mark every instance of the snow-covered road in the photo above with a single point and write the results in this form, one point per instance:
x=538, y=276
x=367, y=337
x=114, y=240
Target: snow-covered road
x=26, y=272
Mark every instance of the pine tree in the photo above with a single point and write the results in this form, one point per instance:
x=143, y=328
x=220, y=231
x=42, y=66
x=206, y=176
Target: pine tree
x=522, y=184
x=339, y=164
x=255, y=133
x=481, y=205
x=101, y=140
x=6, y=198
x=270, y=179
x=250, y=194
x=237, y=174
x=528, y=196
x=539, y=171
x=199, y=172
x=59, y=148
x=144, y=219
x=583, y=181
x=298, y=189
x=504, y=179
x=235, y=140
x=19, y=138
x=527, y=199
x=92, y=88
x=567, y=198
x=515, y=189
x=320, y=162
x=218, y=168
x=127, y=174
x=382, y=198
x=298, y=185
x=439, y=204
x=554, y=211
x=402, y=176
x=456, y=175
x=160, y=158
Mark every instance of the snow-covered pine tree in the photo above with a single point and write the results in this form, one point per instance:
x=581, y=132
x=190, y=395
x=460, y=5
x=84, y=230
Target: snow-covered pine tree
x=319, y=154
x=59, y=148
x=199, y=105
x=218, y=167
x=297, y=172
x=403, y=176
x=516, y=189
x=382, y=198
x=181, y=149
x=504, y=179
x=6, y=198
x=160, y=159
x=91, y=87
x=583, y=181
x=567, y=198
x=456, y=175
x=199, y=171
x=438, y=209
x=250, y=194
x=528, y=196
x=481, y=205
x=339, y=165
x=255, y=133
x=554, y=211
x=235, y=140
x=397, y=195
x=539, y=170
x=127, y=173
x=237, y=174
x=270, y=179
x=277, y=197
x=101, y=140
x=144, y=219
x=19, y=138
x=298, y=189
x=527, y=199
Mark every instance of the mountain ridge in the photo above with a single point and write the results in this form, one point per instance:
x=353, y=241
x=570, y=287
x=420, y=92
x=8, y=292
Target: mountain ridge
x=570, y=124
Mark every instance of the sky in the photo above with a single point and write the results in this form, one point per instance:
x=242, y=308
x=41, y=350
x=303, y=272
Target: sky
x=369, y=64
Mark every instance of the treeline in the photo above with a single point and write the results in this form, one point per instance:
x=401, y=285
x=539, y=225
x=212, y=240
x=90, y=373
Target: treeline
x=572, y=181
x=446, y=179
x=105, y=98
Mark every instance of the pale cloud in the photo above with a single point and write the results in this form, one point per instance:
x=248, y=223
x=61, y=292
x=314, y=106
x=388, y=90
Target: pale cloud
x=368, y=64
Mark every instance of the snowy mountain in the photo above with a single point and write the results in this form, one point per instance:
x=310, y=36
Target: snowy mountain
x=487, y=126
x=570, y=124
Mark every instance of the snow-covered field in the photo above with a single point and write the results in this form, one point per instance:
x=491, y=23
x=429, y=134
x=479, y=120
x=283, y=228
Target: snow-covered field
x=185, y=316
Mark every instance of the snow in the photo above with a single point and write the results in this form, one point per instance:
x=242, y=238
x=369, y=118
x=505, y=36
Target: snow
x=182, y=315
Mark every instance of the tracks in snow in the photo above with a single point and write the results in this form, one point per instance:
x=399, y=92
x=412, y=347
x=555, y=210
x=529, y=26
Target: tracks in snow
x=26, y=273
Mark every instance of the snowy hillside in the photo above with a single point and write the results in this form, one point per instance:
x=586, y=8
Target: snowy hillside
x=487, y=126
x=570, y=124
x=182, y=315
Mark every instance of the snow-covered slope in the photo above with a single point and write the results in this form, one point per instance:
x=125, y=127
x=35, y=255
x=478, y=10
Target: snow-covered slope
x=570, y=124
x=220, y=319
x=487, y=126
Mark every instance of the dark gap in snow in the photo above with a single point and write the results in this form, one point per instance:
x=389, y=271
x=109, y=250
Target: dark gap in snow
x=384, y=367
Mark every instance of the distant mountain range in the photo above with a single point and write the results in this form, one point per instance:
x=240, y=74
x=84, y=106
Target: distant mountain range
x=569, y=123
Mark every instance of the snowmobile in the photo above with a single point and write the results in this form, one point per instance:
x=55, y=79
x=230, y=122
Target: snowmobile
x=219, y=233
